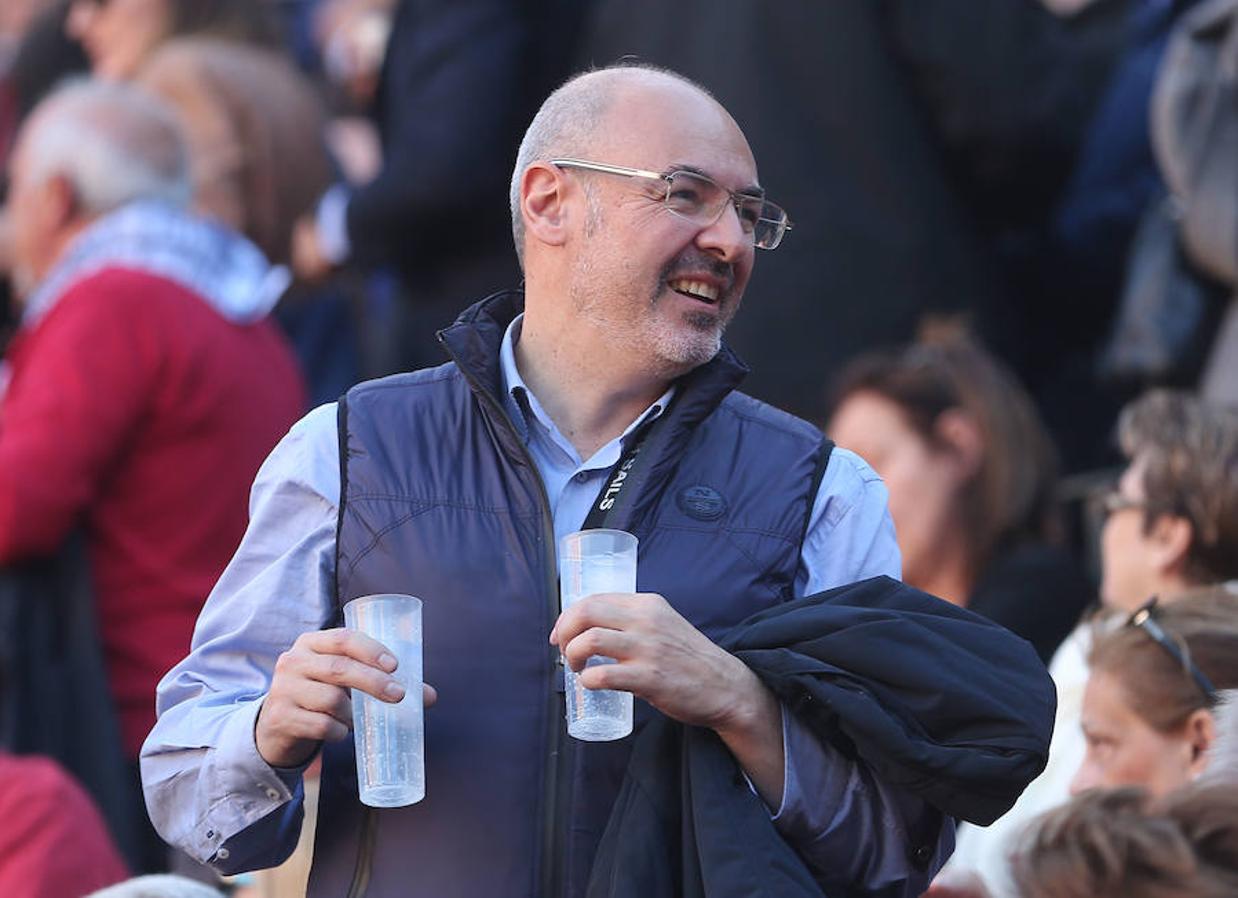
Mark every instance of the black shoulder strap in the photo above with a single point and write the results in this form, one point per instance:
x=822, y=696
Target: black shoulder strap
x=631, y=468
x=341, y=424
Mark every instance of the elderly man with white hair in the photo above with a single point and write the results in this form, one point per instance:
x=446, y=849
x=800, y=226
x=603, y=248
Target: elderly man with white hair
x=145, y=383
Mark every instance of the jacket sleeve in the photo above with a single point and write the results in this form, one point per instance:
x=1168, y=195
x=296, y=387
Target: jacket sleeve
x=851, y=828
x=84, y=377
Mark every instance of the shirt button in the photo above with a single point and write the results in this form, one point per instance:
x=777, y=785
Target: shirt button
x=580, y=476
x=210, y=833
x=921, y=856
x=272, y=794
x=222, y=854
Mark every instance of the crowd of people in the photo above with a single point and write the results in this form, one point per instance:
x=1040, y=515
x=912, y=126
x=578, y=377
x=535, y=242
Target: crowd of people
x=312, y=299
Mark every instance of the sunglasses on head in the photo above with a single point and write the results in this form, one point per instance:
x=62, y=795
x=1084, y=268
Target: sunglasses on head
x=1145, y=619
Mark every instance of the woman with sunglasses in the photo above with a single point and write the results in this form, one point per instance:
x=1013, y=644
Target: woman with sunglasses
x=1148, y=709
x=1149, y=720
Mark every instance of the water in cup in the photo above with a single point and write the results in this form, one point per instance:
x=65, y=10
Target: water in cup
x=591, y=562
x=389, y=738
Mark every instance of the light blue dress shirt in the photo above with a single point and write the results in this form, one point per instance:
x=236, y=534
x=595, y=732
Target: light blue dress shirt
x=210, y=792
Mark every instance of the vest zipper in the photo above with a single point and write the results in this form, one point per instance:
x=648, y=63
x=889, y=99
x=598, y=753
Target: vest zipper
x=555, y=768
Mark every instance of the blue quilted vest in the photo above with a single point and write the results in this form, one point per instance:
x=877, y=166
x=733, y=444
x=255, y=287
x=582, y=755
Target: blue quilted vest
x=440, y=499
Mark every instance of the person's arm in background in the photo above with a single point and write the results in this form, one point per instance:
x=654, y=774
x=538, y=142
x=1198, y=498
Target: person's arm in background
x=853, y=829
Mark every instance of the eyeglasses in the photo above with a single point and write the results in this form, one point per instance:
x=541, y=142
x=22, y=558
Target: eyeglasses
x=1145, y=619
x=702, y=200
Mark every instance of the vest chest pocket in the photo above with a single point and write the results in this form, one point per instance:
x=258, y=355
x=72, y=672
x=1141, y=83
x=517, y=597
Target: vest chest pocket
x=714, y=576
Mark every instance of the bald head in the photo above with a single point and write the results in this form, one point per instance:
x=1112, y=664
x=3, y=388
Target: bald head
x=574, y=119
x=112, y=143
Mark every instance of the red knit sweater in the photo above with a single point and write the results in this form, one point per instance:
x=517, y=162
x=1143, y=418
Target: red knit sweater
x=136, y=410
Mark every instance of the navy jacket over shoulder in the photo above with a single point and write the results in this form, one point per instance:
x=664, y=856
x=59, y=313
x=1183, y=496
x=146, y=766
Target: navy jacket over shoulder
x=933, y=699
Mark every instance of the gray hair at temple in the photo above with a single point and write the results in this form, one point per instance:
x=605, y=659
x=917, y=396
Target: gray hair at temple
x=567, y=121
x=114, y=143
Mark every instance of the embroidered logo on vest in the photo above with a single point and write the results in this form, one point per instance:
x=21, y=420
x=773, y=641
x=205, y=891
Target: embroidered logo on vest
x=701, y=502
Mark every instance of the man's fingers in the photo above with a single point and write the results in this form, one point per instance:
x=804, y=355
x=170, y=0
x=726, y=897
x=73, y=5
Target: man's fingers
x=323, y=698
x=349, y=673
x=597, y=641
x=341, y=641
x=611, y=610
x=316, y=726
x=429, y=695
x=629, y=677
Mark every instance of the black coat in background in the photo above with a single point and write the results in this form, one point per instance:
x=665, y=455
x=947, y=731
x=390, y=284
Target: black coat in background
x=867, y=117
x=460, y=83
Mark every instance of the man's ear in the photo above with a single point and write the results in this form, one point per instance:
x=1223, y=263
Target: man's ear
x=1201, y=733
x=59, y=202
x=542, y=203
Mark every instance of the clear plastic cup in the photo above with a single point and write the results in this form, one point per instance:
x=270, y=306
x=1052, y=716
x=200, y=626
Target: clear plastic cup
x=389, y=738
x=592, y=562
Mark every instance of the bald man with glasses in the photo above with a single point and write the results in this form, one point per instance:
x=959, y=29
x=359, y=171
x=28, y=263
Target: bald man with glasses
x=637, y=211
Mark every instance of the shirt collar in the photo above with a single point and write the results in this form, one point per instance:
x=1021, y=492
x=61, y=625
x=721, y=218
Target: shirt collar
x=524, y=409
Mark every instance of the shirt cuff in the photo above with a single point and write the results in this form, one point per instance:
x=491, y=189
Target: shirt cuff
x=243, y=788
x=331, y=223
x=793, y=737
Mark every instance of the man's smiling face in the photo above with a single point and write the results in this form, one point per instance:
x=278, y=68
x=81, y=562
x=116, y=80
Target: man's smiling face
x=660, y=285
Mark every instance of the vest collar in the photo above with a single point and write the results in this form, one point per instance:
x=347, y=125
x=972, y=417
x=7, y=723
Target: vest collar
x=474, y=342
x=475, y=339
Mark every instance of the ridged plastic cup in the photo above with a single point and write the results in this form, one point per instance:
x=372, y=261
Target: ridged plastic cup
x=592, y=562
x=390, y=738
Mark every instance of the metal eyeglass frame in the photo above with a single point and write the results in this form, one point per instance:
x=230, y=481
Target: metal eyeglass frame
x=781, y=226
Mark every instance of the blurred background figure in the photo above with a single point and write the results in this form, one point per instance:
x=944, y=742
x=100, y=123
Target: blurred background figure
x=255, y=127
x=971, y=474
x=1122, y=843
x=1172, y=522
x=1151, y=719
x=120, y=36
x=459, y=80
x=924, y=142
x=53, y=843
x=1195, y=136
x=1154, y=683
x=143, y=389
x=1171, y=530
